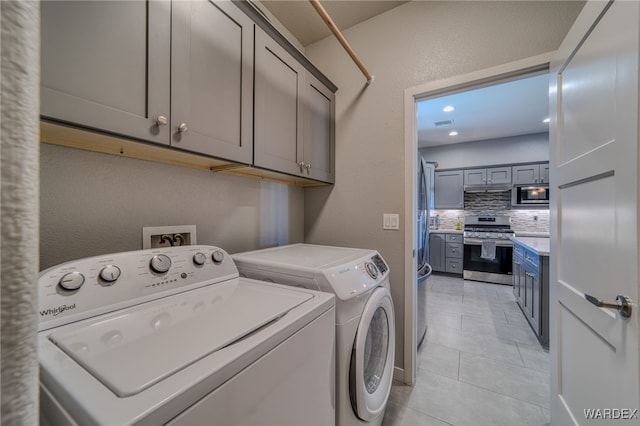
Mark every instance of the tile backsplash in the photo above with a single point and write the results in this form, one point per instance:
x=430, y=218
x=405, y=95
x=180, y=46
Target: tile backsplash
x=496, y=203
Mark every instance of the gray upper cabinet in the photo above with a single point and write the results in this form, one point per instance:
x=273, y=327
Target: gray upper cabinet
x=278, y=142
x=294, y=115
x=530, y=173
x=106, y=66
x=449, y=189
x=172, y=73
x=212, y=80
x=319, y=130
x=488, y=176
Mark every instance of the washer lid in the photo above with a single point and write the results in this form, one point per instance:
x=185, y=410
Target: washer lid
x=130, y=350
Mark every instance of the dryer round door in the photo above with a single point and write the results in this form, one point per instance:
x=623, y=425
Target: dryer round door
x=371, y=370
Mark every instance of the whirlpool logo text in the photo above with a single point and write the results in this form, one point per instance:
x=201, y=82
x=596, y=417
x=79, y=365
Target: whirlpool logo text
x=57, y=311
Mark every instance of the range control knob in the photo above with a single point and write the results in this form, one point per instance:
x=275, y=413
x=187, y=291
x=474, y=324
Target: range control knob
x=109, y=274
x=71, y=281
x=160, y=263
x=371, y=270
x=199, y=258
x=217, y=256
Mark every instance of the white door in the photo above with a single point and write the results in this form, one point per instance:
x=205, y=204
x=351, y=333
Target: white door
x=371, y=371
x=594, y=184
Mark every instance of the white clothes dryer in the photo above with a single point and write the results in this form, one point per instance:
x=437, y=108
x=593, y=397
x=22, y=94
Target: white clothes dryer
x=175, y=336
x=365, y=323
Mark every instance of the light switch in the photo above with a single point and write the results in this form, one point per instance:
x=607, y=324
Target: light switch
x=391, y=221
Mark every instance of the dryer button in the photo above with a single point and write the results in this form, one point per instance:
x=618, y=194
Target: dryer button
x=371, y=270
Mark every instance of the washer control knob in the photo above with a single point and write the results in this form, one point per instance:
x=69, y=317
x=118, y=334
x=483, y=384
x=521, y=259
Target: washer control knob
x=217, y=256
x=199, y=258
x=160, y=263
x=71, y=281
x=371, y=270
x=109, y=274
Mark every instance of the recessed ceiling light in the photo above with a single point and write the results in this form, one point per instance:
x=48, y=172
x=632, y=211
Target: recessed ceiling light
x=453, y=133
x=546, y=120
x=448, y=108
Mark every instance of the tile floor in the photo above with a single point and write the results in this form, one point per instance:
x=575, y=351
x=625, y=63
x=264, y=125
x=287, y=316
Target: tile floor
x=480, y=363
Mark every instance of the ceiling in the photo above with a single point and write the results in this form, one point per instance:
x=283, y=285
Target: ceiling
x=302, y=20
x=503, y=110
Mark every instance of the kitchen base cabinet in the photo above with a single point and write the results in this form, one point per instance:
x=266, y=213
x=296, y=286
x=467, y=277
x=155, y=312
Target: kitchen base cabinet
x=531, y=289
x=437, y=253
x=446, y=252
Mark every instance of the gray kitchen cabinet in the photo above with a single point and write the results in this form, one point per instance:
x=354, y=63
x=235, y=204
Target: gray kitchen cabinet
x=449, y=189
x=106, y=65
x=437, y=253
x=454, y=252
x=212, y=80
x=531, y=288
x=177, y=74
x=530, y=173
x=487, y=176
x=446, y=252
x=294, y=115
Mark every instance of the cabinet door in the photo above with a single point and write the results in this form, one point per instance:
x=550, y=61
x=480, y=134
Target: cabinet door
x=544, y=173
x=525, y=174
x=449, y=190
x=437, y=253
x=499, y=175
x=475, y=177
x=319, y=130
x=106, y=65
x=212, y=80
x=279, y=81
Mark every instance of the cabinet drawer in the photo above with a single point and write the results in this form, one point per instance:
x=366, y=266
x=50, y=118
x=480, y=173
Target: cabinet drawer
x=532, y=261
x=454, y=238
x=518, y=251
x=454, y=250
x=454, y=266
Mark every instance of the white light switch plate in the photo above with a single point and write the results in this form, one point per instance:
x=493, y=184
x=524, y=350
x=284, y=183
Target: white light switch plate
x=391, y=221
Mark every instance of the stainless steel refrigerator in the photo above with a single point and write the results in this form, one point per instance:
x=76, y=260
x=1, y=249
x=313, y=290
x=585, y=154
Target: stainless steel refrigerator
x=426, y=171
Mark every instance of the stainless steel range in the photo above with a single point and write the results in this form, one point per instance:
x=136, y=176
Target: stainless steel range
x=488, y=249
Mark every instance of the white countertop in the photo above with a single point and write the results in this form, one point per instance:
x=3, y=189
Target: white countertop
x=445, y=231
x=539, y=244
x=532, y=234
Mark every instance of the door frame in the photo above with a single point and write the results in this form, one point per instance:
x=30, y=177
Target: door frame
x=437, y=88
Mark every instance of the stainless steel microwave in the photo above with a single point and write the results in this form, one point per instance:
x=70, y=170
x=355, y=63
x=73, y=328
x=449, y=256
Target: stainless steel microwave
x=530, y=195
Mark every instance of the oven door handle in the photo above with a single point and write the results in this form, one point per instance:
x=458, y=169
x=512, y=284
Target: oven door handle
x=478, y=242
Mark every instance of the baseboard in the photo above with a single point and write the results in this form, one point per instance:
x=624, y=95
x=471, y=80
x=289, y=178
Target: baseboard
x=398, y=374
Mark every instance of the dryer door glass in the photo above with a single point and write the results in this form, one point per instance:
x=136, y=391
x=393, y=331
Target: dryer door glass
x=375, y=350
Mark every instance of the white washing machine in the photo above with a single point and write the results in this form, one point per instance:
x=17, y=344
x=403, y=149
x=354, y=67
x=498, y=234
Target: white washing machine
x=175, y=336
x=365, y=324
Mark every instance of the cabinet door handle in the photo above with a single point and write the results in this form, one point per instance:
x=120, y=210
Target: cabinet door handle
x=183, y=128
x=308, y=166
x=161, y=120
x=622, y=304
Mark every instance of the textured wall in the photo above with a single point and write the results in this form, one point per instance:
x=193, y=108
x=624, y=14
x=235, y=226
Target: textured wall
x=415, y=43
x=20, y=75
x=95, y=203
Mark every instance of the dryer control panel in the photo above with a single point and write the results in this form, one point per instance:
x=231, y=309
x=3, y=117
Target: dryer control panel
x=357, y=277
x=82, y=288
